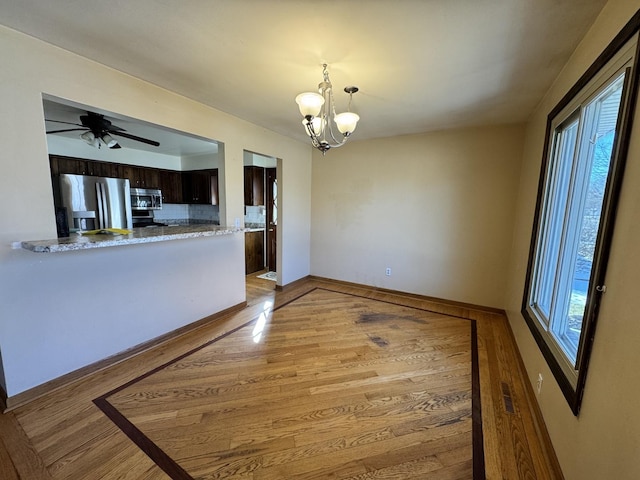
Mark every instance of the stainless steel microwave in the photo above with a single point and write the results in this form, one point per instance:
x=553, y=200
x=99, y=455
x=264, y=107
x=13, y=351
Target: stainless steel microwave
x=146, y=199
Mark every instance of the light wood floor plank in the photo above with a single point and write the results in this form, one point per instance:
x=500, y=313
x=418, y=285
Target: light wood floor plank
x=25, y=462
x=368, y=397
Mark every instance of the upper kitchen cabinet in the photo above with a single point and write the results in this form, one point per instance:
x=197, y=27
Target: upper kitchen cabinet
x=200, y=186
x=71, y=165
x=80, y=166
x=170, y=182
x=107, y=169
x=141, y=177
x=253, y=185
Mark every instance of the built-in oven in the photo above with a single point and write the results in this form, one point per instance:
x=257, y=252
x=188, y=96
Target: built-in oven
x=146, y=199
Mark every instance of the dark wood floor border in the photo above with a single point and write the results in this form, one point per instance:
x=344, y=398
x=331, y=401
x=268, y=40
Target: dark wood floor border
x=176, y=472
x=194, y=350
x=479, y=472
x=155, y=453
x=34, y=393
x=295, y=283
x=422, y=309
x=549, y=454
x=3, y=400
x=417, y=296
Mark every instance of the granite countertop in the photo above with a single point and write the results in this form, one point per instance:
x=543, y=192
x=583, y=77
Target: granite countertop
x=138, y=235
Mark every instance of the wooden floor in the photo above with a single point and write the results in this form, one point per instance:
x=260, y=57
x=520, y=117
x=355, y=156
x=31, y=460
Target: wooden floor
x=321, y=380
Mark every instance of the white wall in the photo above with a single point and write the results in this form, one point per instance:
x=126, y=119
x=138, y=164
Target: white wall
x=65, y=310
x=436, y=208
x=71, y=147
x=198, y=162
x=604, y=441
x=293, y=198
x=258, y=160
x=32, y=316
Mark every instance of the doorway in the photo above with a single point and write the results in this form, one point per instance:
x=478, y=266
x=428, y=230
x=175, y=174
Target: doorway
x=261, y=213
x=271, y=201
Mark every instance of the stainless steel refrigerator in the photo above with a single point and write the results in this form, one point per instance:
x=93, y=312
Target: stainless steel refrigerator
x=92, y=203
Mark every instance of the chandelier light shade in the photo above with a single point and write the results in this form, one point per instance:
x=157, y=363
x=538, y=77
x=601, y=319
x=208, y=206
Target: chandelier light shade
x=346, y=122
x=319, y=112
x=310, y=103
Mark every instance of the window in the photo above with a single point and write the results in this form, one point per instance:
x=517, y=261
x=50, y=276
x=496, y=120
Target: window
x=585, y=149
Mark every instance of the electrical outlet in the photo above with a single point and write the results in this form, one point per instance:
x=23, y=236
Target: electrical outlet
x=539, y=383
x=387, y=272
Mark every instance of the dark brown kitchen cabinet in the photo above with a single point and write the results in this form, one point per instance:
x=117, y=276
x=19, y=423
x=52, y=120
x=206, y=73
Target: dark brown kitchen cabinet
x=200, y=186
x=54, y=164
x=81, y=166
x=170, y=182
x=253, y=185
x=134, y=174
x=107, y=169
x=151, y=177
x=75, y=166
x=141, y=177
x=254, y=251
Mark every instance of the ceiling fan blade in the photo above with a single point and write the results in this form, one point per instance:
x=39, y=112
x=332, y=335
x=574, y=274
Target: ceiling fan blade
x=67, y=130
x=137, y=139
x=60, y=121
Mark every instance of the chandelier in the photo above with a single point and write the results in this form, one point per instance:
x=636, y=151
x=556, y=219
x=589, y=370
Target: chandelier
x=319, y=112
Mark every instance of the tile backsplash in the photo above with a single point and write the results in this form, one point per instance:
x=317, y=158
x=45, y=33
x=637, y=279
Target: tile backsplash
x=172, y=211
x=255, y=215
x=183, y=213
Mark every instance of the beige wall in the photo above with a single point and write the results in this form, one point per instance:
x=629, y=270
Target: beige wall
x=47, y=299
x=436, y=208
x=604, y=441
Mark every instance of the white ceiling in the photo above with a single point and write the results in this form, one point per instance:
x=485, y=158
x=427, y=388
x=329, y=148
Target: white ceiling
x=172, y=142
x=420, y=65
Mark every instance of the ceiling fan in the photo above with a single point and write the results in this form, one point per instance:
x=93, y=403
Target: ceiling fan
x=98, y=131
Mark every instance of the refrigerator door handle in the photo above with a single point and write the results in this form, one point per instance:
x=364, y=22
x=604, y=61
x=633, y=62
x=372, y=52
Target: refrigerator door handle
x=102, y=207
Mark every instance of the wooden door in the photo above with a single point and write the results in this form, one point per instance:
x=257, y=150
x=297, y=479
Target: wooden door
x=271, y=201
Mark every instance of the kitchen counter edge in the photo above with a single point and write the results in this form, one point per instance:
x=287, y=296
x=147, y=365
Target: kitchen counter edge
x=138, y=236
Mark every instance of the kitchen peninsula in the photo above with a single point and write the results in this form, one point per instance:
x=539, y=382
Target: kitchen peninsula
x=139, y=235
x=96, y=304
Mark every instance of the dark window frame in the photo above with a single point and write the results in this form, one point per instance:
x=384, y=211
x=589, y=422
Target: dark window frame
x=620, y=149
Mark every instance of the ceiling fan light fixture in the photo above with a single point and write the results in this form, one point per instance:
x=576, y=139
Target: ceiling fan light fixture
x=97, y=131
x=319, y=114
x=109, y=140
x=88, y=137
